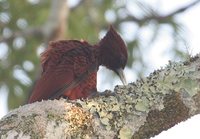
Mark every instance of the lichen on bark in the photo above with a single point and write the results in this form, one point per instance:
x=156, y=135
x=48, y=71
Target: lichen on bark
x=139, y=110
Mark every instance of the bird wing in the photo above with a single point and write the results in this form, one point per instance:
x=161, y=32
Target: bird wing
x=65, y=64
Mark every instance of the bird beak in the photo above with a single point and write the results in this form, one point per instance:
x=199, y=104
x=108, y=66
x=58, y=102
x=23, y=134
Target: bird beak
x=120, y=73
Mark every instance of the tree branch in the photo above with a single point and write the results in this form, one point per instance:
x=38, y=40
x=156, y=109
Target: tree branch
x=159, y=18
x=37, y=31
x=139, y=110
x=77, y=5
x=183, y=9
x=53, y=29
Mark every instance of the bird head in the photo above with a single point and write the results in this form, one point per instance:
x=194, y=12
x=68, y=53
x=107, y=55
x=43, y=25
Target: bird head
x=113, y=53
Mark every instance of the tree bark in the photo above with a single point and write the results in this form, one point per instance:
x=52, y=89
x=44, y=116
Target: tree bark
x=139, y=110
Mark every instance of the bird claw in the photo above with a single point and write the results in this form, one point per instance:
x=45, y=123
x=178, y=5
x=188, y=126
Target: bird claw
x=106, y=93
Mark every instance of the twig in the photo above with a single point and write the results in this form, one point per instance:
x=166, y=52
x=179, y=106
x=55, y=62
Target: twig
x=183, y=9
x=159, y=18
x=26, y=32
x=77, y=5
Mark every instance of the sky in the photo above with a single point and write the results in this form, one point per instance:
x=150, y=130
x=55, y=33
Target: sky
x=189, y=128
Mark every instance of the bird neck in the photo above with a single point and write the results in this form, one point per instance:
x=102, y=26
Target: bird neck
x=103, y=56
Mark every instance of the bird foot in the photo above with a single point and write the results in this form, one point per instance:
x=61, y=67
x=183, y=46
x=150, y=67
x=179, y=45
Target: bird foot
x=106, y=93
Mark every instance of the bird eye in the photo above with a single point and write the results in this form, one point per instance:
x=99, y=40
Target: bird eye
x=123, y=61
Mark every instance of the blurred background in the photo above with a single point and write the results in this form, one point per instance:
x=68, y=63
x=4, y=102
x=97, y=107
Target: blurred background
x=155, y=32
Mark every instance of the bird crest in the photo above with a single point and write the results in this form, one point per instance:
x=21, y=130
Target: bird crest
x=113, y=50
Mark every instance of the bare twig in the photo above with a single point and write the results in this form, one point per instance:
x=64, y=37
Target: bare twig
x=26, y=32
x=77, y=5
x=159, y=18
x=184, y=8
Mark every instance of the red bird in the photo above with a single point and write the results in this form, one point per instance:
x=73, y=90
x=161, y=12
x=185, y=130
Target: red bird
x=70, y=67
